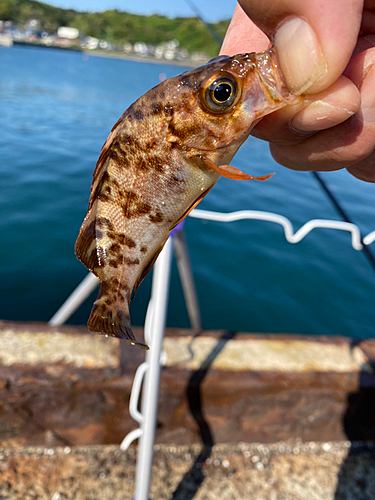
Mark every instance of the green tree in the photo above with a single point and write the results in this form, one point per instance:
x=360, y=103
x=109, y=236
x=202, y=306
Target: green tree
x=117, y=26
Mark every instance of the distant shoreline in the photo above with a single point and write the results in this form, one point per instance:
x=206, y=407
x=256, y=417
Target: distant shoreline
x=119, y=55
x=114, y=55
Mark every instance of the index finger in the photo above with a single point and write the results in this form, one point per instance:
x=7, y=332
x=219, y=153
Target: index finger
x=243, y=35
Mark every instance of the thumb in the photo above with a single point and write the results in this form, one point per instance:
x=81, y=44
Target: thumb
x=314, y=38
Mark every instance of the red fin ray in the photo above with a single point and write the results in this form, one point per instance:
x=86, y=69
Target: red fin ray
x=234, y=173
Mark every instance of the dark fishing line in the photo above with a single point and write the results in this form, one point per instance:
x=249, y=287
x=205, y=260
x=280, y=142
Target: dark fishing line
x=370, y=256
x=209, y=26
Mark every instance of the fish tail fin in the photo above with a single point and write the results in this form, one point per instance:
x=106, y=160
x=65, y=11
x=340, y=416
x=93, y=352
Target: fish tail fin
x=112, y=320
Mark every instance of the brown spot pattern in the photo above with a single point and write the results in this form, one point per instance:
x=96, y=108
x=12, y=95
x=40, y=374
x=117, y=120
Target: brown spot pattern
x=115, y=262
x=134, y=206
x=115, y=248
x=135, y=172
x=104, y=288
x=184, y=131
x=110, y=292
x=131, y=262
x=90, y=232
x=159, y=168
x=156, y=108
x=104, y=198
x=157, y=217
x=152, y=161
x=143, y=165
x=138, y=115
x=104, y=223
x=150, y=145
x=120, y=259
x=143, y=208
x=126, y=240
x=168, y=110
x=118, y=155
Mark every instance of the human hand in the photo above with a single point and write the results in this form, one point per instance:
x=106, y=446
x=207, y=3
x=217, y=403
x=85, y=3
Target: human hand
x=326, y=51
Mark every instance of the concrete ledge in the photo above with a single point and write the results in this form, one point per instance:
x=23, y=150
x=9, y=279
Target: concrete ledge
x=288, y=355
x=66, y=386
x=40, y=343
x=280, y=471
x=53, y=346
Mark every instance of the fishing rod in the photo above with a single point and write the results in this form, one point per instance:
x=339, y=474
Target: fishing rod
x=366, y=249
x=209, y=26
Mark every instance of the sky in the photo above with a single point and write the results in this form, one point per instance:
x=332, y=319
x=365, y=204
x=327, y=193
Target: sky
x=211, y=10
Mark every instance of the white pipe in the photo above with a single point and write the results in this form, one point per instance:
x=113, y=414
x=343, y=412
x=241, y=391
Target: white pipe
x=80, y=294
x=154, y=334
x=290, y=236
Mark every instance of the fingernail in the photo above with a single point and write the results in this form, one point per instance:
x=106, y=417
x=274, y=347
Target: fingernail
x=300, y=56
x=320, y=115
x=367, y=114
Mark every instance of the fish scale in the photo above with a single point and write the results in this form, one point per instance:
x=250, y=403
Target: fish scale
x=161, y=158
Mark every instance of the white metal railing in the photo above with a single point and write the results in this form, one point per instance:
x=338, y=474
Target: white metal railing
x=290, y=235
x=148, y=374
x=72, y=303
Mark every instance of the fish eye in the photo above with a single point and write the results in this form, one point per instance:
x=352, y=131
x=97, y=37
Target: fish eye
x=220, y=94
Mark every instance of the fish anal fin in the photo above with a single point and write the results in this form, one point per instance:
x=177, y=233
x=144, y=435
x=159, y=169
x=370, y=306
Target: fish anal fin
x=234, y=173
x=85, y=246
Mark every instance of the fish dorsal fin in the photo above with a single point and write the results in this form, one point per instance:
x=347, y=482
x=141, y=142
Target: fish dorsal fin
x=102, y=160
x=86, y=244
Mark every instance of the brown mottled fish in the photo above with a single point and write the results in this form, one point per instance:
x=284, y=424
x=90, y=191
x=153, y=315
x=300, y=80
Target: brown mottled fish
x=162, y=157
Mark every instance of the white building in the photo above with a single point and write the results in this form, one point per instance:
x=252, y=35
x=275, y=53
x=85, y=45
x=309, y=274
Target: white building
x=66, y=32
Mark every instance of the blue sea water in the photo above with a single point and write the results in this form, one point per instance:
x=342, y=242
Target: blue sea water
x=56, y=110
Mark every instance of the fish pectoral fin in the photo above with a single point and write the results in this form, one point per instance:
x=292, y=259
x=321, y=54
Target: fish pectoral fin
x=233, y=173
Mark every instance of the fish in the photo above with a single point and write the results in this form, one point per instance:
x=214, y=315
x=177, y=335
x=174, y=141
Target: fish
x=164, y=154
